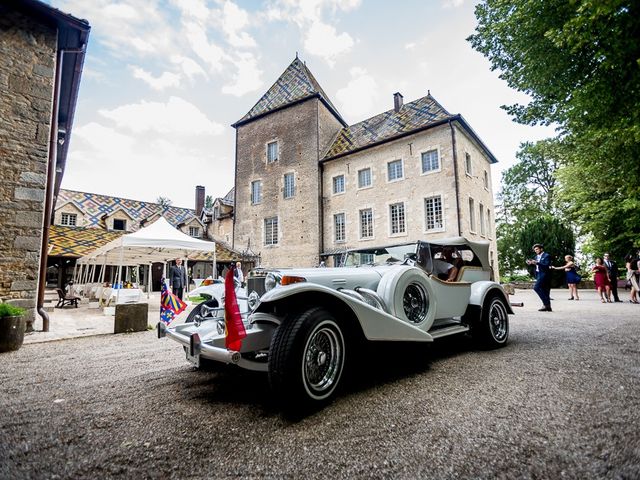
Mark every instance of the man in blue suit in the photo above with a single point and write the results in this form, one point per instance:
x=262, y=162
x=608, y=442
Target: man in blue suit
x=543, y=276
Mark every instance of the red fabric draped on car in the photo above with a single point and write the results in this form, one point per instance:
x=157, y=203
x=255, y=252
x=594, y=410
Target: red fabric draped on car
x=234, y=328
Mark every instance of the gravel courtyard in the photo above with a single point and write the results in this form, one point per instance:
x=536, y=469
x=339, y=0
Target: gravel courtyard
x=562, y=400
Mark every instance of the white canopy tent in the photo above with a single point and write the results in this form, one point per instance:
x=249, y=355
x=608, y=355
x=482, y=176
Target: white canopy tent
x=159, y=242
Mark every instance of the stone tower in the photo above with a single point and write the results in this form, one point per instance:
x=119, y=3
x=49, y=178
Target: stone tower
x=278, y=178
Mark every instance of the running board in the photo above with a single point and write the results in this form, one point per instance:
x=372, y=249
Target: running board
x=446, y=331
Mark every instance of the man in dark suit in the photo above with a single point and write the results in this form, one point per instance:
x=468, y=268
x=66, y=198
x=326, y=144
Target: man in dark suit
x=178, y=278
x=543, y=276
x=612, y=268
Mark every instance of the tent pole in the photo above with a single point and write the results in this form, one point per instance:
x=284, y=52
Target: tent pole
x=214, y=274
x=120, y=273
x=149, y=281
x=186, y=271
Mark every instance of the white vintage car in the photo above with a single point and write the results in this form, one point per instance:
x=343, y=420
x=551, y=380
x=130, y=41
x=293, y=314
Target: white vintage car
x=303, y=324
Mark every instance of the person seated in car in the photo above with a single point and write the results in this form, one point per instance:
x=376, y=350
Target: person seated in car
x=444, y=267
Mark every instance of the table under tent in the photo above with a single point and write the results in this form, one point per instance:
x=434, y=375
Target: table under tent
x=158, y=242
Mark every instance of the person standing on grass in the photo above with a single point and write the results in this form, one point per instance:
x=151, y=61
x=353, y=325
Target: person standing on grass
x=542, y=261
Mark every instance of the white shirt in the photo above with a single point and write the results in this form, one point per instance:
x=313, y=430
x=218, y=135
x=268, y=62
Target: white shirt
x=440, y=266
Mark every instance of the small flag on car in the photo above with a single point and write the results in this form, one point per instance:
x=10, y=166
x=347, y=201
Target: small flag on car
x=170, y=305
x=234, y=328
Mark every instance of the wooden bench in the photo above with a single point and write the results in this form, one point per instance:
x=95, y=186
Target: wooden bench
x=64, y=299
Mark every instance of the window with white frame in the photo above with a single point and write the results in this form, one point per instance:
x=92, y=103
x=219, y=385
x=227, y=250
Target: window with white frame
x=364, y=178
x=338, y=184
x=289, y=185
x=472, y=215
x=486, y=180
x=69, y=219
x=194, y=232
x=272, y=152
x=467, y=164
x=482, y=221
x=367, y=258
x=119, y=224
x=271, y=231
x=433, y=213
x=430, y=161
x=394, y=170
x=256, y=192
x=366, y=223
x=397, y=218
x=339, y=227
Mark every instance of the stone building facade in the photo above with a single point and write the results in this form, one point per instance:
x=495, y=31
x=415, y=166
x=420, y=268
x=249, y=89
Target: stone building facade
x=309, y=186
x=34, y=92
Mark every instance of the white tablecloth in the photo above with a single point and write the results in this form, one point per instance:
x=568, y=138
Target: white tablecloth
x=127, y=295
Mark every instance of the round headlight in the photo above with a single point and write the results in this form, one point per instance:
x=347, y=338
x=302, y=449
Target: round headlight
x=253, y=300
x=270, y=282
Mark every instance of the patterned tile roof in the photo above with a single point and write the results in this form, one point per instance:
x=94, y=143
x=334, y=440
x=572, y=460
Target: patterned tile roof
x=383, y=127
x=296, y=83
x=95, y=206
x=77, y=241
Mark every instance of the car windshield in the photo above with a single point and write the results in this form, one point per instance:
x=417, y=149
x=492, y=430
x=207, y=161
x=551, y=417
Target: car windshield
x=379, y=255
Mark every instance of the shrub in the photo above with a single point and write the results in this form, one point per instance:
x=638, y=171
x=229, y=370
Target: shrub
x=7, y=310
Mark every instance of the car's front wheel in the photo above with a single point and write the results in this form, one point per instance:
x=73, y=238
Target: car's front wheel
x=493, y=329
x=197, y=310
x=307, y=359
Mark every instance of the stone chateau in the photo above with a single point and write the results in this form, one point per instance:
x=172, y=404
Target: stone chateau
x=309, y=186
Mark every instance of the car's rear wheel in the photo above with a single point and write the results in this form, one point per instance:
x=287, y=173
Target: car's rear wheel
x=307, y=359
x=406, y=294
x=493, y=329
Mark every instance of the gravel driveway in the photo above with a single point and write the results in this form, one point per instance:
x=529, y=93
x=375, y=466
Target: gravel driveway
x=562, y=400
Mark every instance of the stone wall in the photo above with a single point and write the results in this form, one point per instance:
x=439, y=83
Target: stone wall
x=299, y=130
x=27, y=65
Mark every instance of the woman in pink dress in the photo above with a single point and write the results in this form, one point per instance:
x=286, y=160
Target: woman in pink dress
x=601, y=279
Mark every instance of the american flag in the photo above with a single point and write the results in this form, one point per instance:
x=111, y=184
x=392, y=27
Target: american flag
x=170, y=305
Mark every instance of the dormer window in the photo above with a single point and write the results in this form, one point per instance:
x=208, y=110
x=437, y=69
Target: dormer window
x=119, y=224
x=194, y=232
x=69, y=219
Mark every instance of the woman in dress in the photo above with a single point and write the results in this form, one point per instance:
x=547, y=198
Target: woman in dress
x=572, y=276
x=633, y=274
x=601, y=278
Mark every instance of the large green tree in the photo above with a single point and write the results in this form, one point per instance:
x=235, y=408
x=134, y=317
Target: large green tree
x=579, y=62
x=527, y=193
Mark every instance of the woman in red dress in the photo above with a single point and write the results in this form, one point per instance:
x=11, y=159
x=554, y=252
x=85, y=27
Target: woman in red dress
x=601, y=279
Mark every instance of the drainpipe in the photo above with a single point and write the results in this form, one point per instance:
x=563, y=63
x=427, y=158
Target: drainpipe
x=48, y=193
x=320, y=186
x=49, y=186
x=455, y=176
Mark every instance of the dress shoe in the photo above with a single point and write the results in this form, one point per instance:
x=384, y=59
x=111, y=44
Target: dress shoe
x=545, y=309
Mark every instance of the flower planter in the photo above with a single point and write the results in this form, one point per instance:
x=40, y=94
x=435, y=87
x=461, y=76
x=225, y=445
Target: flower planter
x=12, y=332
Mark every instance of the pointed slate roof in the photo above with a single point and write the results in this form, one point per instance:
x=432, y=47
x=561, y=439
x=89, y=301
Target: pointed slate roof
x=416, y=115
x=296, y=84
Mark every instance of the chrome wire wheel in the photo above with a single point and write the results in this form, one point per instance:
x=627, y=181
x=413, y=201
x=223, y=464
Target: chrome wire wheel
x=415, y=303
x=498, y=320
x=323, y=359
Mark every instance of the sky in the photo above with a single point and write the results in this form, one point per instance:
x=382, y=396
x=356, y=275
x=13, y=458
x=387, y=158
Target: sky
x=164, y=80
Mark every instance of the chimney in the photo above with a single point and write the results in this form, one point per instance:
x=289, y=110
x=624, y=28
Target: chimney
x=397, y=101
x=199, y=200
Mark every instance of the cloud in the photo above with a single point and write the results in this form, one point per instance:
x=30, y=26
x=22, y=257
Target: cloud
x=189, y=67
x=167, y=79
x=234, y=20
x=192, y=8
x=321, y=38
x=207, y=51
x=247, y=78
x=177, y=117
x=324, y=41
x=452, y=3
x=358, y=98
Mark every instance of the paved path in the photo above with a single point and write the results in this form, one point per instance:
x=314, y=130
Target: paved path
x=562, y=400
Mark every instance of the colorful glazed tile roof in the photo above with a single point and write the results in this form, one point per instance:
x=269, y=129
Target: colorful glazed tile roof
x=77, y=241
x=296, y=83
x=388, y=125
x=95, y=207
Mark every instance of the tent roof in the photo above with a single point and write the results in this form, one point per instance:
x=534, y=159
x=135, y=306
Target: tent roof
x=159, y=242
